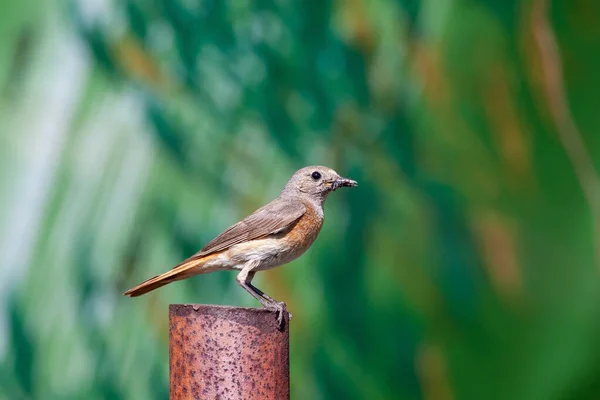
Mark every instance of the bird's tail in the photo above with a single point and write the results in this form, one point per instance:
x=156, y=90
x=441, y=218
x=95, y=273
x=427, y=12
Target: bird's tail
x=184, y=270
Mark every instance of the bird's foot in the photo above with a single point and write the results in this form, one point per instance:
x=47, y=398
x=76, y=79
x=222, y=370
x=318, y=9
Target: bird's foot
x=279, y=308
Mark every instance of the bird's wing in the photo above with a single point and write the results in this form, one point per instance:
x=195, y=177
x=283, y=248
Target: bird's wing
x=270, y=219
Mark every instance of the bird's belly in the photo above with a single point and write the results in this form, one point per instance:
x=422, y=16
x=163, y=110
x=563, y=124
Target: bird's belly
x=268, y=253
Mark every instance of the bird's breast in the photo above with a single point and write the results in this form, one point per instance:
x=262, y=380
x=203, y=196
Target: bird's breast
x=302, y=235
x=283, y=247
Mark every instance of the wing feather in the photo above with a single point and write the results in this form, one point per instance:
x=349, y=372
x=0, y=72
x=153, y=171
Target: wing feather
x=267, y=220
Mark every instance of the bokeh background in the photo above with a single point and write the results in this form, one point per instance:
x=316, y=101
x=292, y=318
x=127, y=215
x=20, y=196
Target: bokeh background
x=466, y=265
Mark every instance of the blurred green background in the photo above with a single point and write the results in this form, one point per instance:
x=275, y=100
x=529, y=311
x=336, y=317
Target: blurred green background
x=465, y=266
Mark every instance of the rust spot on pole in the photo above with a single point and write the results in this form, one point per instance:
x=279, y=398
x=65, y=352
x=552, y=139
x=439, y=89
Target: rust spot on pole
x=226, y=353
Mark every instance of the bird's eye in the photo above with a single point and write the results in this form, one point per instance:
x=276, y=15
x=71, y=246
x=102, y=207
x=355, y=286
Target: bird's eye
x=316, y=175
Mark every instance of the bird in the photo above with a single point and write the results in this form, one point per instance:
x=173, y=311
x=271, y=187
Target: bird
x=271, y=236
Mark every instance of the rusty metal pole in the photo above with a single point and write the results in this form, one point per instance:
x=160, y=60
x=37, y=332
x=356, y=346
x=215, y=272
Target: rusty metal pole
x=227, y=353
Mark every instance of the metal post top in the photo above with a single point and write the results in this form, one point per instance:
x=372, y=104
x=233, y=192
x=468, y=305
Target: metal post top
x=260, y=318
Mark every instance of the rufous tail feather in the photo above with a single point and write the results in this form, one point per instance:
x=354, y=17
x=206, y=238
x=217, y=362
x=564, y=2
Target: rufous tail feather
x=181, y=271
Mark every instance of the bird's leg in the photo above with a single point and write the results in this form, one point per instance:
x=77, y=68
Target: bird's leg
x=260, y=292
x=265, y=296
x=244, y=278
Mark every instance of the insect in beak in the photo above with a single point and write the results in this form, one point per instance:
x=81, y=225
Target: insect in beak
x=342, y=182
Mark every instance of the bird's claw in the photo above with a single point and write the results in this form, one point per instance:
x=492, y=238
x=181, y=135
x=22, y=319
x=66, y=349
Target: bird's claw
x=279, y=308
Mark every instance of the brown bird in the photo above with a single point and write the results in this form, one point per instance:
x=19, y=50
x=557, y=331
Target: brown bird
x=273, y=235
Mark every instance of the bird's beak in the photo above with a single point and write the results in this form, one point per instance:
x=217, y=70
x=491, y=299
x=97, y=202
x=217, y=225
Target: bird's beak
x=343, y=182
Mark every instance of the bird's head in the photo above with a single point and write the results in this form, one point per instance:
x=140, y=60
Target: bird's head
x=316, y=182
